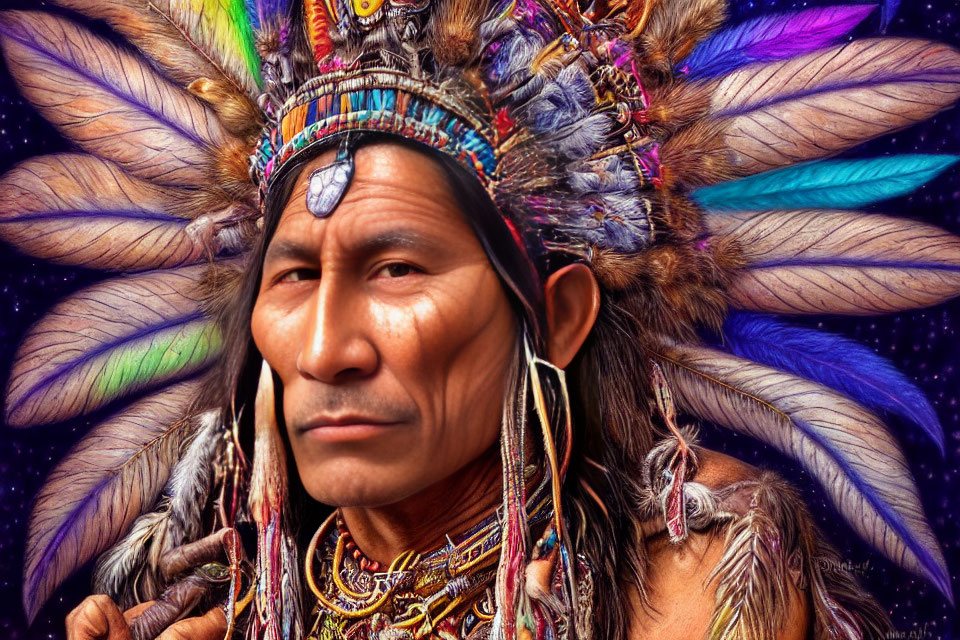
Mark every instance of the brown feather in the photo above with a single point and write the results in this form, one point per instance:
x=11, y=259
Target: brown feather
x=674, y=28
x=237, y=114
x=677, y=104
x=696, y=156
x=454, y=28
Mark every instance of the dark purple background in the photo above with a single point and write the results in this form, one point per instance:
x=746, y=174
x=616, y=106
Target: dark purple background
x=922, y=343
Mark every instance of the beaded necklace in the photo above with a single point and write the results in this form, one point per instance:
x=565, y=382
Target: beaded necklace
x=445, y=594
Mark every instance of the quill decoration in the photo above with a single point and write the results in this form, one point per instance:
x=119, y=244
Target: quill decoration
x=826, y=183
x=111, y=340
x=94, y=494
x=833, y=361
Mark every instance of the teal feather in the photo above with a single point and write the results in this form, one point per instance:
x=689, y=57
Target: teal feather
x=837, y=184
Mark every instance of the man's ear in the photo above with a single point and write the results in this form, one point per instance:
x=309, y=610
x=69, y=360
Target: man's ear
x=572, y=297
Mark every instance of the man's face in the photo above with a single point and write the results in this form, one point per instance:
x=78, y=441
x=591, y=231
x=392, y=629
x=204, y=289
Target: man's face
x=389, y=329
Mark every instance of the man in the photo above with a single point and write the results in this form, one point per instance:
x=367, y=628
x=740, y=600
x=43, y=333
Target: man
x=472, y=303
x=395, y=415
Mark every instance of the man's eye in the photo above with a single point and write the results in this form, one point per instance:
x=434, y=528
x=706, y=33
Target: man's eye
x=398, y=270
x=296, y=275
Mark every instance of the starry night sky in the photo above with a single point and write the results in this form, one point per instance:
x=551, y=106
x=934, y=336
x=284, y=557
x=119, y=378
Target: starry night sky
x=923, y=344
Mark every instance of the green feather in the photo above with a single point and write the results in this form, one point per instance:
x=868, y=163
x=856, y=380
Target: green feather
x=837, y=184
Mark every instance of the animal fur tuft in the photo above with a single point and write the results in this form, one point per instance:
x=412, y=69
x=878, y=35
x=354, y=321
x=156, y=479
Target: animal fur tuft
x=696, y=156
x=236, y=113
x=454, y=30
x=674, y=28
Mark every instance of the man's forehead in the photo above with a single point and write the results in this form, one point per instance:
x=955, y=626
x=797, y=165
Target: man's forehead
x=398, y=196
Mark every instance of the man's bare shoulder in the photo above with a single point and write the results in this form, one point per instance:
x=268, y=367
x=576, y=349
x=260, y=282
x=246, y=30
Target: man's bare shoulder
x=680, y=580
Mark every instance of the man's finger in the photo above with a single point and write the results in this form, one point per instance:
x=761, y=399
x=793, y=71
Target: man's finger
x=133, y=612
x=211, y=626
x=97, y=618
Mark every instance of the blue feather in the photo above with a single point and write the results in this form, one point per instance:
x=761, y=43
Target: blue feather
x=831, y=184
x=833, y=361
x=887, y=12
x=772, y=37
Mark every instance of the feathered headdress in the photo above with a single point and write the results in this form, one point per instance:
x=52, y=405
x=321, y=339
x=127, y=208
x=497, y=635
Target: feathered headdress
x=687, y=161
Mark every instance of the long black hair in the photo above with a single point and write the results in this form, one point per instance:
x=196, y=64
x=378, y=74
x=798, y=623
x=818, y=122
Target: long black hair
x=601, y=490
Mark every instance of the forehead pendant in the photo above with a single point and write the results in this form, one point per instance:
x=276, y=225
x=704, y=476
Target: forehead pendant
x=328, y=184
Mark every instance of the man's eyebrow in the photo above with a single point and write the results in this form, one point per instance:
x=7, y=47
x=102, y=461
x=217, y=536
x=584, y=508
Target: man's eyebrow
x=291, y=249
x=392, y=239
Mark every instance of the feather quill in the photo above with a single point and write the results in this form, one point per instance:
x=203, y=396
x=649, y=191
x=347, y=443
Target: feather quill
x=816, y=261
x=826, y=183
x=780, y=113
x=110, y=102
x=80, y=210
x=848, y=450
x=107, y=480
x=833, y=361
x=111, y=340
x=772, y=37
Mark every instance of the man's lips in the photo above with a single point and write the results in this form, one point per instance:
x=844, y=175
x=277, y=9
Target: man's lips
x=345, y=428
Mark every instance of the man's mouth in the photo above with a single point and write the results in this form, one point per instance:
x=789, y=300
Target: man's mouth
x=345, y=428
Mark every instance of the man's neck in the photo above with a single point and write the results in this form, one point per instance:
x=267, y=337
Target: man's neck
x=422, y=522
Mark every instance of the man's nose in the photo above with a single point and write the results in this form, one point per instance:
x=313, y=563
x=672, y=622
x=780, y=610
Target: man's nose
x=335, y=347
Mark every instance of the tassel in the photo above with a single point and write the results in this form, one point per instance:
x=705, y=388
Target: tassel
x=275, y=615
x=512, y=605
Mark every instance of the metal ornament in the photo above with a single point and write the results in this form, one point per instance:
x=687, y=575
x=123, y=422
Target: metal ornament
x=329, y=184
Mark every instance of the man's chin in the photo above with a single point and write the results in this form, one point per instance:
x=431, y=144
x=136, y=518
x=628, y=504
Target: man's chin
x=359, y=490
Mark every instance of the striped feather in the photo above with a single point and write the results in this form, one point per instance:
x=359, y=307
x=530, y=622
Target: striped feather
x=837, y=184
x=95, y=493
x=782, y=113
x=848, y=450
x=833, y=361
x=160, y=41
x=816, y=261
x=117, y=338
x=772, y=37
x=110, y=102
x=80, y=210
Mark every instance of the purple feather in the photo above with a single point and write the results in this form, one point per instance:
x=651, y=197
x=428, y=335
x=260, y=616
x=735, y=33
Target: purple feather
x=772, y=37
x=835, y=362
x=270, y=15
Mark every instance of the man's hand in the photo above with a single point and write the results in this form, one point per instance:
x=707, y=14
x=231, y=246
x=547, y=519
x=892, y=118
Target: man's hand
x=99, y=618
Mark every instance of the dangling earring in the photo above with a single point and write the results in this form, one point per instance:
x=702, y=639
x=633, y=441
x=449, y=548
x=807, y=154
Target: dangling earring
x=553, y=545
x=276, y=613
